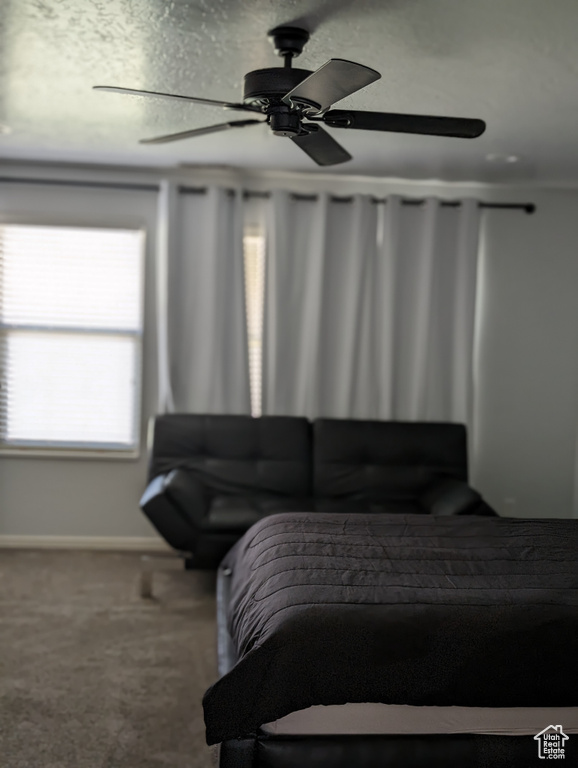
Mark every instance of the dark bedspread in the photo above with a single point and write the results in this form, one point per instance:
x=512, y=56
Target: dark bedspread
x=399, y=609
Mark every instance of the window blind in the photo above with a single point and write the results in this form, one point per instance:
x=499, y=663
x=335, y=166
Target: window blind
x=70, y=337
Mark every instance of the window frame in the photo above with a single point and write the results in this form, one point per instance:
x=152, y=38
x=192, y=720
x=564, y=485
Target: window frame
x=52, y=450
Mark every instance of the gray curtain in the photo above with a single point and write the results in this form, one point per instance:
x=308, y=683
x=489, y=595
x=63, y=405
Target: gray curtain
x=369, y=308
x=203, y=358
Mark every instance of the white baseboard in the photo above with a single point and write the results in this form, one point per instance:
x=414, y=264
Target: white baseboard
x=111, y=543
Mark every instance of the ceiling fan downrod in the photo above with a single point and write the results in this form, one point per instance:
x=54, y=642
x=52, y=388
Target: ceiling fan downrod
x=288, y=42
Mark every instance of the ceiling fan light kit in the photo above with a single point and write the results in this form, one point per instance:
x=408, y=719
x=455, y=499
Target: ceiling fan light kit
x=294, y=101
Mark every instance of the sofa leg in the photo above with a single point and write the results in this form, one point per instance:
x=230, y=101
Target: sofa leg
x=146, y=583
x=151, y=563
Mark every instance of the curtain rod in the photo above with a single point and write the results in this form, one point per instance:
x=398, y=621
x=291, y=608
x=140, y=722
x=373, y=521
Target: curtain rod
x=527, y=207
x=79, y=183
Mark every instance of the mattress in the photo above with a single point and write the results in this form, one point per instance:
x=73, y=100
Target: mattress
x=372, y=718
x=405, y=610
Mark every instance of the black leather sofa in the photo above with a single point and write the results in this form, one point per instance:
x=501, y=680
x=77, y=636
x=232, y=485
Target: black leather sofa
x=212, y=476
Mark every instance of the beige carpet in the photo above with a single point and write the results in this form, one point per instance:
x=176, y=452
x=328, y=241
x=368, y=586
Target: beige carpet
x=91, y=675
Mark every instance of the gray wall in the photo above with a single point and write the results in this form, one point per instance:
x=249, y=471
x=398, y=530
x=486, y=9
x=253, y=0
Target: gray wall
x=82, y=497
x=526, y=410
x=527, y=359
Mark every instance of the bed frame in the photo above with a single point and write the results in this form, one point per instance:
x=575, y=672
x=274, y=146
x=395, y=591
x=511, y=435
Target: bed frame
x=262, y=750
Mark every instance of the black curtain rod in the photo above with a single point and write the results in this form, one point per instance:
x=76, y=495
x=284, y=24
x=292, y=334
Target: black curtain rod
x=527, y=207
x=78, y=183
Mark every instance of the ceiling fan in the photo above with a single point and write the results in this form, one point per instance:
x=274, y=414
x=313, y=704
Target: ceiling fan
x=294, y=102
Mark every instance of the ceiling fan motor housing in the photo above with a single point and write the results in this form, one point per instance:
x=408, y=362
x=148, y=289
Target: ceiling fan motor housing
x=266, y=88
x=266, y=85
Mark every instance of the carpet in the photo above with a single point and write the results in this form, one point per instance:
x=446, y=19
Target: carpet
x=93, y=676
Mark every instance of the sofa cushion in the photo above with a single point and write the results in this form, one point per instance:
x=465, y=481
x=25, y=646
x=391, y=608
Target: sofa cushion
x=238, y=513
x=236, y=454
x=385, y=460
x=368, y=506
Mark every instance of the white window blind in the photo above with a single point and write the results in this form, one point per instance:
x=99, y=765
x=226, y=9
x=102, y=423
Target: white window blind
x=70, y=337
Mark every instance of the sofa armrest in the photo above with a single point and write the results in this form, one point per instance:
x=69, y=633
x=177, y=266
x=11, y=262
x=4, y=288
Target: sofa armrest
x=187, y=493
x=174, y=525
x=449, y=496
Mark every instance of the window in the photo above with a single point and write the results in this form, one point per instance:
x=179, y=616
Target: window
x=70, y=338
x=254, y=249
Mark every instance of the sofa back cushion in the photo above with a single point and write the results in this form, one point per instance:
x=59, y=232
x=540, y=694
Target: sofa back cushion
x=236, y=454
x=385, y=460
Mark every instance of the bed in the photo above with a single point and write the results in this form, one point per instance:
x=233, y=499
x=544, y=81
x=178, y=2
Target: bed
x=395, y=640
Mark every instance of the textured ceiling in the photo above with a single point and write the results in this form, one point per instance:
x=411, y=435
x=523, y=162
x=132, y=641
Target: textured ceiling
x=513, y=63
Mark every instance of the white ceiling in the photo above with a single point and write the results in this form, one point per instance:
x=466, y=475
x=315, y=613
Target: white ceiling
x=513, y=63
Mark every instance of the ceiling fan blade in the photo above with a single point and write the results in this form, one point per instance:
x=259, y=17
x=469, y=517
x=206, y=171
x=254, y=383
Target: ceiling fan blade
x=321, y=147
x=460, y=127
x=332, y=82
x=200, y=131
x=194, y=99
